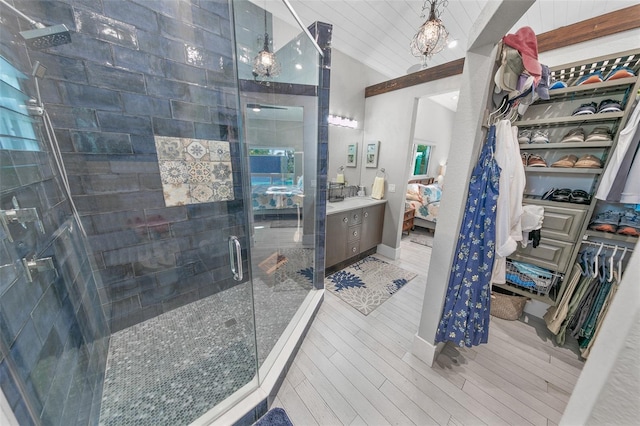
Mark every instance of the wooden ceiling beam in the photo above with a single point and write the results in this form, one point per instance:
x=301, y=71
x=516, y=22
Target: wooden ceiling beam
x=589, y=29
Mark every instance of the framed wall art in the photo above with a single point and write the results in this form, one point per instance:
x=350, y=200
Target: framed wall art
x=371, y=154
x=352, y=155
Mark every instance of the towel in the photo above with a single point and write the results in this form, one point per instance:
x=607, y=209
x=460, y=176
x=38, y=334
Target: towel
x=377, y=191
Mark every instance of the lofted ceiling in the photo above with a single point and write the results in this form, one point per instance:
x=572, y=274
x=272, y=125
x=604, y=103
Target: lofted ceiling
x=377, y=33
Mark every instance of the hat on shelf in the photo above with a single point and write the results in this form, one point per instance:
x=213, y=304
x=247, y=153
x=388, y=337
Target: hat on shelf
x=524, y=88
x=511, y=67
x=542, y=89
x=524, y=40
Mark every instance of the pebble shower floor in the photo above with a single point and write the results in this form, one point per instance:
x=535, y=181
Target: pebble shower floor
x=173, y=368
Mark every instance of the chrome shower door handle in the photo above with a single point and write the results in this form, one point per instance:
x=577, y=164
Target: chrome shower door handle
x=235, y=261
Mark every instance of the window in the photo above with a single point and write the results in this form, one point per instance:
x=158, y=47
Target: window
x=17, y=130
x=421, y=156
x=272, y=166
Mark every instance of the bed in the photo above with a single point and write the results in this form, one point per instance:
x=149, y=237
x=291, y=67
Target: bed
x=424, y=196
x=275, y=197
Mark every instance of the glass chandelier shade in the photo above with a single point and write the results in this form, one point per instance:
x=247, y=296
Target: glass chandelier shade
x=432, y=36
x=265, y=64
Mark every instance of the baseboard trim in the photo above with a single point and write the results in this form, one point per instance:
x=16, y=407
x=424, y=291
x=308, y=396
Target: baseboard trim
x=425, y=351
x=388, y=251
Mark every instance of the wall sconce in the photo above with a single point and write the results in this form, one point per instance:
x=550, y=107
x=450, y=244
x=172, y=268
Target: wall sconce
x=342, y=121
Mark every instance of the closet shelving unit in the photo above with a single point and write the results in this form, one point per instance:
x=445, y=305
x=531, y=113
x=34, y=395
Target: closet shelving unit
x=565, y=224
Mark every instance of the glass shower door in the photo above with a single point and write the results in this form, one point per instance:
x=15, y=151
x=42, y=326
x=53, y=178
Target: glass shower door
x=279, y=105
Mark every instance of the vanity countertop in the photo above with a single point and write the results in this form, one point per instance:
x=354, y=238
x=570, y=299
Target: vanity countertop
x=351, y=203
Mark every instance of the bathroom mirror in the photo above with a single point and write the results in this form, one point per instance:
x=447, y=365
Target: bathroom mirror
x=371, y=154
x=352, y=155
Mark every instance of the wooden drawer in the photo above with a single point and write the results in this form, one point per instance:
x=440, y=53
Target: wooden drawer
x=353, y=248
x=354, y=233
x=409, y=214
x=550, y=254
x=355, y=217
x=407, y=222
x=562, y=223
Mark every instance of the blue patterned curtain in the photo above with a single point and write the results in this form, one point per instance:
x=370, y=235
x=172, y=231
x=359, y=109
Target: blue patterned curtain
x=465, y=319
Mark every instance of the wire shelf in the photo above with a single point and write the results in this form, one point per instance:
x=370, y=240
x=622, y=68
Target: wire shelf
x=536, y=283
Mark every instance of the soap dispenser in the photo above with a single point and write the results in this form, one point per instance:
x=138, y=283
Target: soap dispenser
x=340, y=176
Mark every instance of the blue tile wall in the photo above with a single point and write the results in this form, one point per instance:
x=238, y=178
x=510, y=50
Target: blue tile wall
x=12, y=392
x=104, y=28
x=134, y=69
x=322, y=33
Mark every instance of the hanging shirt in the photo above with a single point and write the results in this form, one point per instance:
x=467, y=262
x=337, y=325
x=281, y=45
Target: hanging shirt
x=509, y=206
x=625, y=176
x=631, y=192
x=624, y=141
x=603, y=313
x=556, y=315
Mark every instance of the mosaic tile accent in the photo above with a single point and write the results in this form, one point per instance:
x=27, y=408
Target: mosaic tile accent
x=169, y=148
x=194, y=149
x=194, y=171
x=219, y=151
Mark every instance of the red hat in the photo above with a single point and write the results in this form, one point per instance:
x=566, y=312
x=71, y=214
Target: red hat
x=524, y=40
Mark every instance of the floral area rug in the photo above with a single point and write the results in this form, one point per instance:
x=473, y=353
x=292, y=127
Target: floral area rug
x=366, y=284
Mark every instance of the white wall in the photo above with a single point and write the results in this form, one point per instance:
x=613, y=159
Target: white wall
x=390, y=118
x=349, y=78
x=434, y=123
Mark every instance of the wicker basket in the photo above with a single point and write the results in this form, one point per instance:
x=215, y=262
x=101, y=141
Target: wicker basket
x=506, y=306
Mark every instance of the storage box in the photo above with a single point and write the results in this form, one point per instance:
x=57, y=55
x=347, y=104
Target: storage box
x=506, y=306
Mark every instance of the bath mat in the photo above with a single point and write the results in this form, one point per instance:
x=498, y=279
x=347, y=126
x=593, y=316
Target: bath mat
x=274, y=417
x=366, y=284
x=287, y=270
x=425, y=240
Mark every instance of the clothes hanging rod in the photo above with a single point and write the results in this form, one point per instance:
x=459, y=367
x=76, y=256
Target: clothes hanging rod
x=607, y=246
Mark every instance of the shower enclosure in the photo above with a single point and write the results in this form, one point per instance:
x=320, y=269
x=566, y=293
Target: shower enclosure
x=161, y=203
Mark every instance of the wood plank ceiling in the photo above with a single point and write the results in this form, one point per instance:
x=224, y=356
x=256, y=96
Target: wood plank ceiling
x=377, y=33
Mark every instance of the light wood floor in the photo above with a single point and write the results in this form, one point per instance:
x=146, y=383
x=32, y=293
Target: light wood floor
x=358, y=370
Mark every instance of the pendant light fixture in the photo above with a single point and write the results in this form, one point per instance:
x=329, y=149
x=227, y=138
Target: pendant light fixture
x=432, y=36
x=265, y=64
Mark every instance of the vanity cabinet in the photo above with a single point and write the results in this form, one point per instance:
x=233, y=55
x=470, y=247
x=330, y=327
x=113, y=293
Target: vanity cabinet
x=372, y=222
x=352, y=232
x=336, y=239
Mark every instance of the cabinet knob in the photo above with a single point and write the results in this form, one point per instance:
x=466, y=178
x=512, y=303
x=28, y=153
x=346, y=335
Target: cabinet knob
x=355, y=216
x=355, y=233
x=353, y=249
x=345, y=220
x=366, y=214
